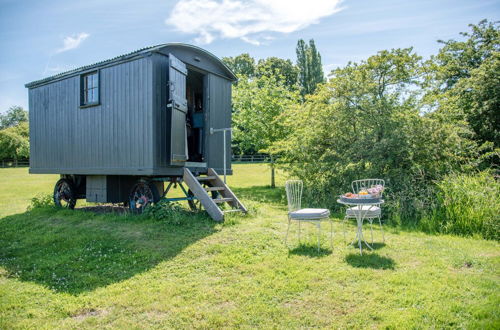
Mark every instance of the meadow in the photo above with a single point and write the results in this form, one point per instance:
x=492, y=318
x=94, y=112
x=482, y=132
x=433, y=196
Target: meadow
x=84, y=269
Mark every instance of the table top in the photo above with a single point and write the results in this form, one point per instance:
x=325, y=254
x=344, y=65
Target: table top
x=360, y=201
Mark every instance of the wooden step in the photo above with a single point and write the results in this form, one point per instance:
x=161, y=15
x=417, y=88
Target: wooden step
x=206, y=178
x=223, y=200
x=214, y=188
x=202, y=193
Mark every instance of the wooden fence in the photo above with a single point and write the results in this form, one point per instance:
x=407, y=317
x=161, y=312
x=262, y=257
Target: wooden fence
x=14, y=163
x=260, y=158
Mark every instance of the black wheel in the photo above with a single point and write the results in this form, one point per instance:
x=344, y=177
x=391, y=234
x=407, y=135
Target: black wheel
x=65, y=194
x=143, y=193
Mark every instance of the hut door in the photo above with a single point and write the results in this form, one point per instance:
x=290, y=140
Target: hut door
x=177, y=107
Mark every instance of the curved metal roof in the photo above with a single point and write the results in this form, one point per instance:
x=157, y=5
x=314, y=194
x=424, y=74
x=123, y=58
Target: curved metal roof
x=137, y=53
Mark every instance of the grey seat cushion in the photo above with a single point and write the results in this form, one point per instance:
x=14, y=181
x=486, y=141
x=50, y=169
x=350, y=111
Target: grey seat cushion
x=310, y=214
x=371, y=211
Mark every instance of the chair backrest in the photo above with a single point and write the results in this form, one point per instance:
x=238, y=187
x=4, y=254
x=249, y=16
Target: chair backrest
x=358, y=185
x=294, y=194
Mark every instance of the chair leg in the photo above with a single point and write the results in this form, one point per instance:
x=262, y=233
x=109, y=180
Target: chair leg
x=343, y=226
x=381, y=229
x=371, y=229
x=359, y=243
x=287, y=230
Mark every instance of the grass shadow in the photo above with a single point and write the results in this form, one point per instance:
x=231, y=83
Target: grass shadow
x=370, y=260
x=310, y=251
x=374, y=245
x=79, y=251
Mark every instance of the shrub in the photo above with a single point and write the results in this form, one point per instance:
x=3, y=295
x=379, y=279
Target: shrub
x=171, y=213
x=468, y=204
x=41, y=201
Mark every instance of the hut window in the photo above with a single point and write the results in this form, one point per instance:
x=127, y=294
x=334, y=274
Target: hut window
x=90, y=89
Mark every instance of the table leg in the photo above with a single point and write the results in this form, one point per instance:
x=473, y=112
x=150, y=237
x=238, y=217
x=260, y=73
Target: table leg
x=359, y=219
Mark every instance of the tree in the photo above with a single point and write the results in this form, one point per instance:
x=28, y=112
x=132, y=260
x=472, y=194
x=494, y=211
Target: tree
x=282, y=70
x=456, y=59
x=258, y=104
x=301, y=51
x=366, y=122
x=464, y=81
x=13, y=117
x=242, y=64
x=14, y=142
x=310, y=68
x=479, y=98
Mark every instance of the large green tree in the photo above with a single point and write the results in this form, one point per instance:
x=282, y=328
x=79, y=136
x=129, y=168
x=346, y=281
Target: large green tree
x=465, y=80
x=282, y=70
x=366, y=122
x=13, y=117
x=310, y=67
x=258, y=105
x=242, y=64
x=14, y=142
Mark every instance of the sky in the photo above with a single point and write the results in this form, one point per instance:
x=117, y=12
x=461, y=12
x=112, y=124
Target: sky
x=42, y=38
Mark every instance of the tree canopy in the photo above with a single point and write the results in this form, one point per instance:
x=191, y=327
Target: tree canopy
x=14, y=134
x=243, y=64
x=465, y=81
x=13, y=117
x=14, y=142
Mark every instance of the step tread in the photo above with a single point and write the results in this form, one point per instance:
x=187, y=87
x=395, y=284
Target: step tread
x=206, y=178
x=222, y=200
x=215, y=188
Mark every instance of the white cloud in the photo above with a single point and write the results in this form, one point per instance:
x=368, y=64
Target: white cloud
x=247, y=19
x=72, y=42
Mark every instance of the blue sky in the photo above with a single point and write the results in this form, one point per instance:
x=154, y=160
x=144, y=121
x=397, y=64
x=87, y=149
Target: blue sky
x=42, y=38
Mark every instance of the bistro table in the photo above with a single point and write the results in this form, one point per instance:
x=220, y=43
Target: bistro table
x=361, y=214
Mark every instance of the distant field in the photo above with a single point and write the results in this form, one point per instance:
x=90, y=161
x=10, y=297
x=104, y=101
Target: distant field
x=17, y=187
x=81, y=270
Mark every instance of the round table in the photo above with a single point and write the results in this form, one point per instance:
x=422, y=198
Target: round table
x=360, y=215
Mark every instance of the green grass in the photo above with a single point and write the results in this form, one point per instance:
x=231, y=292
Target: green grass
x=77, y=269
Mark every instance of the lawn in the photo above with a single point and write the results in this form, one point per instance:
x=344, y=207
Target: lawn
x=79, y=269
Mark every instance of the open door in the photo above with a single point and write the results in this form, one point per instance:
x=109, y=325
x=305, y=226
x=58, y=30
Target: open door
x=177, y=106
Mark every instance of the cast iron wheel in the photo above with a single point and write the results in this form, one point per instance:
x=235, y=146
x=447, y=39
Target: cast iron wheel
x=64, y=194
x=143, y=193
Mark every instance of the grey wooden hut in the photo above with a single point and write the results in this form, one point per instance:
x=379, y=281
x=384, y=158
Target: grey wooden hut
x=117, y=130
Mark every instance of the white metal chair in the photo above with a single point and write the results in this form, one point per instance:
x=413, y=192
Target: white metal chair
x=297, y=213
x=372, y=211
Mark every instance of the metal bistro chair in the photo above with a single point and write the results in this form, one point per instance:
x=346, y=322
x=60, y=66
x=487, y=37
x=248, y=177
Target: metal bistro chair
x=372, y=211
x=295, y=212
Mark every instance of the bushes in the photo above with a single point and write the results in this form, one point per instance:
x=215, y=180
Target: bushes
x=171, y=213
x=41, y=201
x=467, y=204
x=366, y=123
